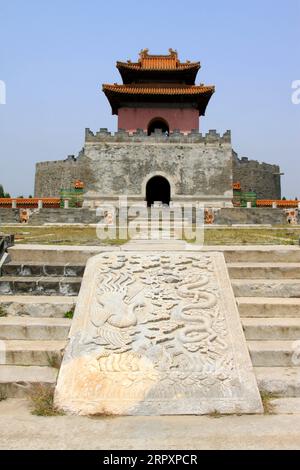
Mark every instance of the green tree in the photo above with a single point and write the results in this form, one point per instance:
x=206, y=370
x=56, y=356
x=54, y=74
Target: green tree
x=3, y=193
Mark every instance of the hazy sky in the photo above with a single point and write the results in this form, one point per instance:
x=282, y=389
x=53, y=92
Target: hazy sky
x=54, y=56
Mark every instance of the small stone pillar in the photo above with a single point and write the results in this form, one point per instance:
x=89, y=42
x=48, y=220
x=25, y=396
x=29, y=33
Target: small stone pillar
x=299, y=205
x=274, y=205
x=66, y=203
x=249, y=205
x=13, y=204
x=40, y=204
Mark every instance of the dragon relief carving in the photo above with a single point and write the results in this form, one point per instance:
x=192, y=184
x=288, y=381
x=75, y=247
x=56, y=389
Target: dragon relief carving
x=164, y=310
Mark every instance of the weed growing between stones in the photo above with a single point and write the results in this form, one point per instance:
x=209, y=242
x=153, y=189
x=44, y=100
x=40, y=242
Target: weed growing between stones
x=215, y=414
x=41, y=399
x=267, y=398
x=54, y=361
x=70, y=313
x=3, y=312
x=103, y=414
x=3, y=396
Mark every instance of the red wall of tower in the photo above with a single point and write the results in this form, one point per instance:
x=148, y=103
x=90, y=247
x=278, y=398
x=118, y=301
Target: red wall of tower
x=184, y=119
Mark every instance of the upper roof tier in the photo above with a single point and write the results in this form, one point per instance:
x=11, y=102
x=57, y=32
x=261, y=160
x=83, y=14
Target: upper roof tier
x=158, y=67
x=158, y=80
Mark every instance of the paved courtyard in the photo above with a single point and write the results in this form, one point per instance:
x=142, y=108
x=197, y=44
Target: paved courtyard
x=19, y=429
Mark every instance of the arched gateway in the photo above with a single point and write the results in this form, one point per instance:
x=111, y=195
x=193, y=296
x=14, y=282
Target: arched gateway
x=158, y=189
x=158, y=123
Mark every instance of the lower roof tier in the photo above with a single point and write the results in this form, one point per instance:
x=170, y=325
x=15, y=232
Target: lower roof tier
x=121, y=95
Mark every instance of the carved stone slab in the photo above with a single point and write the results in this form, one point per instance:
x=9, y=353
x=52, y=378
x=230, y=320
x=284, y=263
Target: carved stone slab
x=157, y=334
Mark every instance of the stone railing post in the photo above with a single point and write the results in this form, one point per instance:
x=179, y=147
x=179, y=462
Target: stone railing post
x=13, y=204
x=66, y=203
x=40, y=204
x=274, y=205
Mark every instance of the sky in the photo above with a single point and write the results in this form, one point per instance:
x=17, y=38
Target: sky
x=55, y=55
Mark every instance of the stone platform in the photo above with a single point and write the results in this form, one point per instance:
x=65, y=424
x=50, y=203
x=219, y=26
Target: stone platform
x=157, y=334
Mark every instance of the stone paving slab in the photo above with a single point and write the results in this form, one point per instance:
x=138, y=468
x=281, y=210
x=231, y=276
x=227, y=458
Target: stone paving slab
x=21, y=430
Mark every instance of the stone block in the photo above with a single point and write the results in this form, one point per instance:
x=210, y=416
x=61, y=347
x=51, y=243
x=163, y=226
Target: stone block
x=157, y=334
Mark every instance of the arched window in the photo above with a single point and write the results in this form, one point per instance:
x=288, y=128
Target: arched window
x=158, y=189
x=158, y=123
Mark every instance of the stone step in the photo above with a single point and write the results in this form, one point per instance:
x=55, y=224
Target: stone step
x=255, y=307
x=264, y=270
x=14, y=268
x=15, y=381
x=76, y=255
x=33, y=353
x=285, y=406
x=261, y=254
x=273, y=353
x=40, y=285
x=258, y=329
x=278, y=381
x=80, y=254
x=37, y=305
x=286, y=288
x=154, y=245
x=30, y=328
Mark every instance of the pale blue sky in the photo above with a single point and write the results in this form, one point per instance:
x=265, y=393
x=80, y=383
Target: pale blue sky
x=54, y=56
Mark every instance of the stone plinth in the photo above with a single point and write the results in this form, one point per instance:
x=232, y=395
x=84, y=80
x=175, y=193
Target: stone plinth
x=157, y=334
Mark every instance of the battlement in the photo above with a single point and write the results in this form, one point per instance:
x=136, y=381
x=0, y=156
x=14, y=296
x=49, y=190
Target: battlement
x=57, y=163
x=255, y=164
x=194, y=137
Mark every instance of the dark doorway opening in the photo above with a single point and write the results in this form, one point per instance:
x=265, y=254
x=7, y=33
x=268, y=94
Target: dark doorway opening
x=158, y=189
x=158, y=123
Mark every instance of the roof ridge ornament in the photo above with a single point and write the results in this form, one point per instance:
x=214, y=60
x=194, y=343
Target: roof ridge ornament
x=144, y=53
x=173, y=52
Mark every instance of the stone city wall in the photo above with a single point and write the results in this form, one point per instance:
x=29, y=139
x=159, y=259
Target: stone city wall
x=195, y=165
x=52, y=176
x=263, y=178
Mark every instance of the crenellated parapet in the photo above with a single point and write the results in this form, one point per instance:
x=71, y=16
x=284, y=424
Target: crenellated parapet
x=194, y=137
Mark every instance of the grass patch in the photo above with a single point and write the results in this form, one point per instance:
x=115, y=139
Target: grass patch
x=3, y=312
x=68, y=235
x=70, y=313
x=41, y=399
x=86, y=235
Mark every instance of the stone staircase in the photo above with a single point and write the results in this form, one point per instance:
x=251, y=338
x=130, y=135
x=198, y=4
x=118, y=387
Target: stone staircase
x=35, y=299
x=266, y=284
x=39, y=285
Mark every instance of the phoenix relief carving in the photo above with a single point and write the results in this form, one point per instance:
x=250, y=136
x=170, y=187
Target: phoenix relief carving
x=151, y=309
